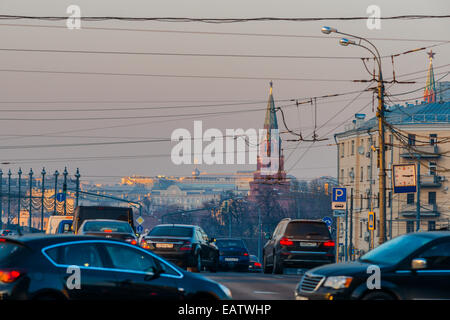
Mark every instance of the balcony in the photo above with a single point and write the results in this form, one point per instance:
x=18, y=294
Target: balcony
x=431, y=181
x=424, y=152
x=426, y=210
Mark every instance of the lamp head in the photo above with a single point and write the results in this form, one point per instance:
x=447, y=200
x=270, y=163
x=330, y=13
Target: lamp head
x=328, y=30
x=345, y=42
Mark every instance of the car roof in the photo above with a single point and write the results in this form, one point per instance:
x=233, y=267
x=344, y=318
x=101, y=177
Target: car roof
x=104, y=220
x=431, y=234
x=176, y=225
x=41, y=240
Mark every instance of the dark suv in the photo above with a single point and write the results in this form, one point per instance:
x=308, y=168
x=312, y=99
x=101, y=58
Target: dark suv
x=298, y=244
x=187, y=246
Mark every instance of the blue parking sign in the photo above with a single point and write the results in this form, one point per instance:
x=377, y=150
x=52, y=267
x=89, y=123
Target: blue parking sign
x=339, y=195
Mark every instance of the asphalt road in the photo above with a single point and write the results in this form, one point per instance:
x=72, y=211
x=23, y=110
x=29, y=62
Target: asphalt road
x=257, y=286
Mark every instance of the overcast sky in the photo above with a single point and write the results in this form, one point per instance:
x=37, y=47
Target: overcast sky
x=75, y=92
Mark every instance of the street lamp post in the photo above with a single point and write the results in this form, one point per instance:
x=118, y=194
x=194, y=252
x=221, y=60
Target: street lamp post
x=42, y=198
x=77, y=191
x=9, y=196
x=380, y=116
x=18, y=202
x=56, y=189
x=31, y=198
x=65, y=190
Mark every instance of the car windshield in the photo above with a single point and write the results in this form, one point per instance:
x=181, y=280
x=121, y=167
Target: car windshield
x=171, y=231
x=395, y=250
x=107, y=226
x=230, y=243
x=308, y=230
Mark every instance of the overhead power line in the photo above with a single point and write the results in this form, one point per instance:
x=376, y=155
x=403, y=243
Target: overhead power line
x=245, y=34
x=218, y=20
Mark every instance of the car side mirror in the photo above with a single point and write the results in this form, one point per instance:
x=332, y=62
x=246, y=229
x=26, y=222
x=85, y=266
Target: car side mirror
x=156, y=272
x=268, y=236
x=418, y=264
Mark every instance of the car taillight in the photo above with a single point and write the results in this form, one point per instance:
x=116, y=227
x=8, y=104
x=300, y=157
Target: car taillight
x=245, y=254
x=8, y=276
x=144, y=244
x=186, y=246
x=328, y=244
x=286, y=242
x=257, y=264
x=107, y=230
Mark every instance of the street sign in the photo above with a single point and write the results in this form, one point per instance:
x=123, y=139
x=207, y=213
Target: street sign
x=338, y=213
x=328, y=221
x=339, y=201
x=371, y=220
x=404, y=178
x=60, y=197
x=139, y=229
x=140, y=220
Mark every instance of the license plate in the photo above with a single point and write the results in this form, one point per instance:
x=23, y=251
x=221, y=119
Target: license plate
x=301, y=298
x=232, y=259
x=309, y=244
x=164, y=245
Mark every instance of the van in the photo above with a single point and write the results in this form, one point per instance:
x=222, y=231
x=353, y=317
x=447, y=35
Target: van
x=54, y=222
x=83, y=213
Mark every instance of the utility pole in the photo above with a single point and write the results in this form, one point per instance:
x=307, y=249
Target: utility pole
x=9, y=196
x=351, y=225
x=346, y=232
x=77, y=190
x=56, y=190
x=65, y=173
x=418, y=195
x=381, y=157
x=18, y=202
x=259, y=234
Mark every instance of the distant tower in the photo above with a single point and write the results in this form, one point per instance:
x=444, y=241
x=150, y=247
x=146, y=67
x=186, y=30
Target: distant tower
x=270, y=161
x=429, y=95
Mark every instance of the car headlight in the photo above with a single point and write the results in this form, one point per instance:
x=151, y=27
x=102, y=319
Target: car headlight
x=225, y=290
x=340, y=282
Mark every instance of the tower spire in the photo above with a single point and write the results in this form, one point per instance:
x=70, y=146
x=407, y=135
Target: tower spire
x=429, y=95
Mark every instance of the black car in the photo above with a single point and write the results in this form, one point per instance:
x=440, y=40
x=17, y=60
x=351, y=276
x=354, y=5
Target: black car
x=64, y=267
x=254, y=265
x=233, y=254
x=111, y=229
x=411, y=266
x=187, y=246
x=298, y=243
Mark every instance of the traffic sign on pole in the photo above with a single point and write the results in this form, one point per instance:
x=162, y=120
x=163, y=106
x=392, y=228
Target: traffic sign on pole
x=60, y=197
x=371, y=220
x=140, y=220
x=139, y=228
x=339, y=201
x=328, y=221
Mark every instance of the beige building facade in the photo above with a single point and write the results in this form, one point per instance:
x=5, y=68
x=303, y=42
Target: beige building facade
x=421, y=135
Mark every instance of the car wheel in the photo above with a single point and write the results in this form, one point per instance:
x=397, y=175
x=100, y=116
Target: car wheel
x=267, y=269
x=277, y=266
x=378, y=295
x=198, y=263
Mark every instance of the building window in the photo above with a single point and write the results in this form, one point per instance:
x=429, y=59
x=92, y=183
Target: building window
x=361, y=201
x=360, y=229
x=412, y=139
x=410, y=198
x=353, y=147
x=362, y=174
x=409, y=226
x=378, y=228
x=432, y=197
x=433, y=139
x=351, y=174
x=342, y=150
x=431, y=225
x=378, y=200
x=342, y=176
x=433, y=168
x=368, y=173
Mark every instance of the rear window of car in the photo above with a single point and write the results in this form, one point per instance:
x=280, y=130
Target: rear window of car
x=171, y=231
x=9, y=250
x=309, y=230
x=107, y=226
x=230, y=243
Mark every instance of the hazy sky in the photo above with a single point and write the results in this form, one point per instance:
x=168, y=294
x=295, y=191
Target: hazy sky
x=58, y=93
